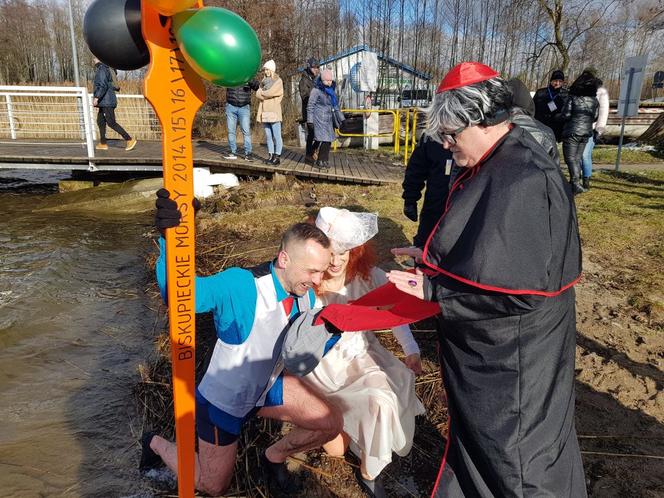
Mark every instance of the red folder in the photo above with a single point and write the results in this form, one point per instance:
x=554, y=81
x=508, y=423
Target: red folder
x=397, y=308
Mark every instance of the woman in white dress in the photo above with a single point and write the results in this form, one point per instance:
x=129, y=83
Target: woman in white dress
x=374, y=390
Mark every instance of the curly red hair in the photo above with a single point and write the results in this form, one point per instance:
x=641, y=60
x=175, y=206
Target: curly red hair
x=360, y=262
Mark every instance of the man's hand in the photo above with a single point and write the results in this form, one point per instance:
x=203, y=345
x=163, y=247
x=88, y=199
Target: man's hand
x=410, y=283
x=410, y=210
x=412, y=251
x=414, y=362
x=95, y=102
x=168, y=215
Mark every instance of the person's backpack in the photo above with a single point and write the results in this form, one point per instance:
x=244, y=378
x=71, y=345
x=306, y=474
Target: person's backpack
x=114, y=79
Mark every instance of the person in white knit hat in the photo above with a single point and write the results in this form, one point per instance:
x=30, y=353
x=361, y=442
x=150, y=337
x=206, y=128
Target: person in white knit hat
x=270, y=94
x=373, y=389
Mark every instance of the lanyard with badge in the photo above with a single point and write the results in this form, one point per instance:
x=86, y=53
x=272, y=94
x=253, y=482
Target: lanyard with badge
x=551, y=104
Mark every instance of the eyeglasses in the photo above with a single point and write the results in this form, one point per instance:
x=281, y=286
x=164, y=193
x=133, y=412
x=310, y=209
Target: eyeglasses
x=450, y=137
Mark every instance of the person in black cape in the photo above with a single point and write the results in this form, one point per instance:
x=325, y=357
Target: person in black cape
x=502, y=261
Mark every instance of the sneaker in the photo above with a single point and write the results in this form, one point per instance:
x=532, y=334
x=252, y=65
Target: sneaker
x=374, y=489
x=322, y=164
x=278, y=478
x=230, y=156
x=149, y=459
x=275, y=160
x=131, y=143
x=249, y=157
x=101, y=147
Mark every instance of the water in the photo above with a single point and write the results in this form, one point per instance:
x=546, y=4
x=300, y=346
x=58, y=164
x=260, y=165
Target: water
x=74, y=324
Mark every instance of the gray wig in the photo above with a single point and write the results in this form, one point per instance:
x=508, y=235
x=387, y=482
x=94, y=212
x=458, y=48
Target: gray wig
x=485, y=103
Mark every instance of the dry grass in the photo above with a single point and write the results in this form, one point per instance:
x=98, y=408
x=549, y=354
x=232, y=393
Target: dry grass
x=633, y=257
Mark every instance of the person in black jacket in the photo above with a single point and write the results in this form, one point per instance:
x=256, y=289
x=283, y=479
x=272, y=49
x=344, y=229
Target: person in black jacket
x=430, y=164
x=523, y=110
x=104, y=99
x=306, y=84
x=580, y=112
x=549, y=103
x=238, y=108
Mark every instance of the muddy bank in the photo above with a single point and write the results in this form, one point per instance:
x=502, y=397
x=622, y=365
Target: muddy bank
x=619, y=353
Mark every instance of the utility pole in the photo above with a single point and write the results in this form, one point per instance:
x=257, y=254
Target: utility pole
x=73, y=45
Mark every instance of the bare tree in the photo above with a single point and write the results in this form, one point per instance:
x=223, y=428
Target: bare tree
x=570, y=21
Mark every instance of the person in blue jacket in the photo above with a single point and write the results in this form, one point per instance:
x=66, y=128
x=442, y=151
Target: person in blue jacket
x=252, y=309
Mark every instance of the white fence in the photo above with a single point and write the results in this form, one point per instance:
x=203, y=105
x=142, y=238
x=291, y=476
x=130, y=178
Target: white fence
x=64, y=115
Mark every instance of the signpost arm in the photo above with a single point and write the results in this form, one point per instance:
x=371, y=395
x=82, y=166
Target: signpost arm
x=176, y=93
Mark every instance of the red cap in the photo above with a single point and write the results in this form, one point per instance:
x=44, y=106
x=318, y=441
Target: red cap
x=465, y=74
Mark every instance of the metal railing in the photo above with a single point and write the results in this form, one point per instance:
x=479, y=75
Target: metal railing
x=30, y=112
x=410, y=135
x=65, y=116
x=365, y=113
x=409, y=115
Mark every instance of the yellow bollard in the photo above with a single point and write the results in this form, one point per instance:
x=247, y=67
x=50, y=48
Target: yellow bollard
x=395, y=130
x=414, y=139
x=405, y=145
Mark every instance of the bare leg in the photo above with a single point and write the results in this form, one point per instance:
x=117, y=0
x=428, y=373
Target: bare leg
x=338, y=446
x=214, y=464
x=316, y=422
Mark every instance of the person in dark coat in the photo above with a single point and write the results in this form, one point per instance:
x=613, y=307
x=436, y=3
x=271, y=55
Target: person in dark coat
x=549, y=103
x=580, y=113
x=321, y=109
x=503, y=261
x=238, y=108
x=306, y=84
x=429, y=165
x=522, y=114
x=103, y=93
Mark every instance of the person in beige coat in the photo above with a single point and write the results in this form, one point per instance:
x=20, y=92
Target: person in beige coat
x=269, y=95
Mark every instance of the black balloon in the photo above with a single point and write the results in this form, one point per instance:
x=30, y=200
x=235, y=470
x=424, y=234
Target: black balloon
x=112, y=29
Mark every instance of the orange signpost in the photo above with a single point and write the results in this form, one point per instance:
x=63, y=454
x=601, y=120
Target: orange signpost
x=176, y=93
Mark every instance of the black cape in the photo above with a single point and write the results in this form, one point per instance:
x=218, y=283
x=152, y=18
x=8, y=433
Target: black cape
x=507, y=254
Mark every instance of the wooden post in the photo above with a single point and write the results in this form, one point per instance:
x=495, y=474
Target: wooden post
x=176, y=93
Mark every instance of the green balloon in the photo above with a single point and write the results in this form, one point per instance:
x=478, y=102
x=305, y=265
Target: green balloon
x=218, y=44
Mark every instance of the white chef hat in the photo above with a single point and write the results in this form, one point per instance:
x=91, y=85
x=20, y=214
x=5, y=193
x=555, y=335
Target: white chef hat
x=346, y=229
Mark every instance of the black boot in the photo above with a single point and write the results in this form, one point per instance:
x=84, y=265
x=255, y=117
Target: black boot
x=269, y=159
x=374, y=489
x=275, y=159
x=278, y=478
x=577, y=188
x=586, y=182
x=149, y=459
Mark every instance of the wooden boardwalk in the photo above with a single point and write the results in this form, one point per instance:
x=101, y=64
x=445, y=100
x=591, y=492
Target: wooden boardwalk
x=350, y=167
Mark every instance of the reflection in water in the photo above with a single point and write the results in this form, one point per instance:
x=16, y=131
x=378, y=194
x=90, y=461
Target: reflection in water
x=74, y=323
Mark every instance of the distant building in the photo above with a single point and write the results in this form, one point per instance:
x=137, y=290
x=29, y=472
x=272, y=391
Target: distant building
x=362, y=71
